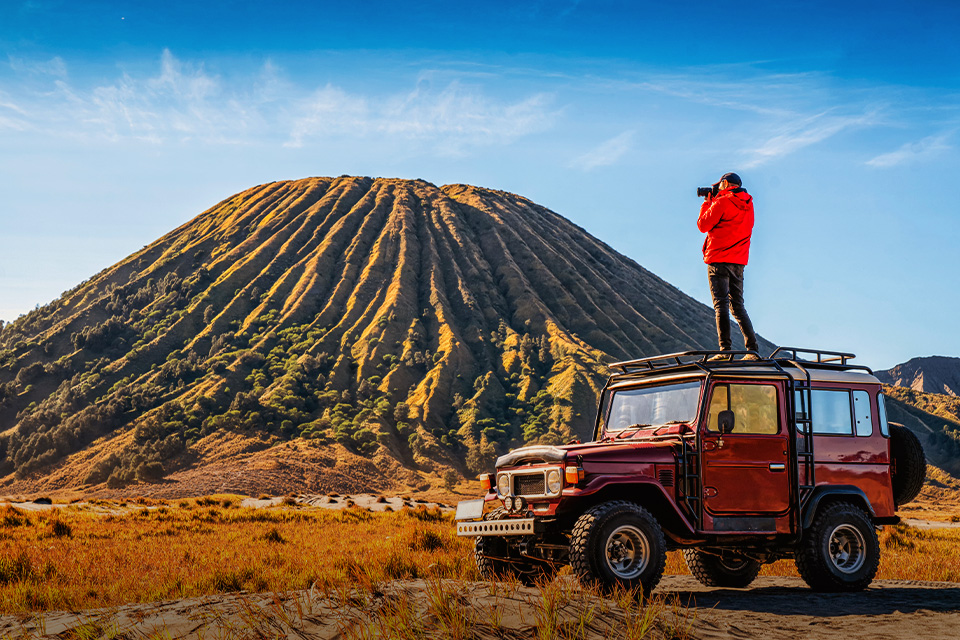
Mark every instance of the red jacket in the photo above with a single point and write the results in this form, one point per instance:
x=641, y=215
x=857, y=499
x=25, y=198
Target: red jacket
x=728, y=222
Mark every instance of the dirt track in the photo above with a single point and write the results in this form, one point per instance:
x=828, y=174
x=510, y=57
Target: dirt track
x=772, y=608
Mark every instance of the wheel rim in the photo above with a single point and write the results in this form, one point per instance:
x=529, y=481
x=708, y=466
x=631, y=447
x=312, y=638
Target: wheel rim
x=847, y=549
x=627, y=552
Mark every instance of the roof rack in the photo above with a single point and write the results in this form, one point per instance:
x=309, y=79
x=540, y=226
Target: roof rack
x=683, y=358
x=797, y=356
x=823, y=357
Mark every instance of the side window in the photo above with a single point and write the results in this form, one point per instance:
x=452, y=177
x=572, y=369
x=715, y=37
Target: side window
x=831, y=412
x=884, y=427
x=754, y=405
x=862, y=416
x=719, y=402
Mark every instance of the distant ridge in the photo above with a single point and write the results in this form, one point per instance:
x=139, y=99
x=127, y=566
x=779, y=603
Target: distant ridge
x=395, y=329
x=933, y=374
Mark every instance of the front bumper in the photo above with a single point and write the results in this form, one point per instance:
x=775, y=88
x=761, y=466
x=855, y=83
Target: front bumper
x=507, y=527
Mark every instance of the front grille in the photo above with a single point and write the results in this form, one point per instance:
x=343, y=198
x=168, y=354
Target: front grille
x=529, y=485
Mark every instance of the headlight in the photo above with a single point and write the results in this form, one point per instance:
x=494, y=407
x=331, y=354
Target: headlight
x=503, y=484
x=554, y=481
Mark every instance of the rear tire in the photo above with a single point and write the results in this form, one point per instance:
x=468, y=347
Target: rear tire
x=909, y=465
x=618, y=543
x=840, y=552
x=721, y=567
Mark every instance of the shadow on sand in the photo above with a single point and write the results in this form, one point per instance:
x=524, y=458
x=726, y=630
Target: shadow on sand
x=884, y=598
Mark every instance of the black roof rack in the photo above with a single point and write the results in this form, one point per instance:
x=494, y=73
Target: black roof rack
x=822, y=356
x=707, y=361
x=683, y=358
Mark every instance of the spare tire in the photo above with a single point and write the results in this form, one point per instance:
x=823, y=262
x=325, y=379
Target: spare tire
x=908, y=464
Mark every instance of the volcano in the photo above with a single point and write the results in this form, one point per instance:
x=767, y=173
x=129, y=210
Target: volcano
x=387, y=332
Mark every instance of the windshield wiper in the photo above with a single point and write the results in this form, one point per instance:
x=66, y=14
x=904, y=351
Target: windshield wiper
x=632, y=429
x=667, y=424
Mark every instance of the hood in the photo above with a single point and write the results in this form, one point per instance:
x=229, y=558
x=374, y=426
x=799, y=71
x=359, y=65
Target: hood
x=538, y=454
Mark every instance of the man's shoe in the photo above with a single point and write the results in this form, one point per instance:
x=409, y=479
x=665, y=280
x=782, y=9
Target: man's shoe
x=719, y=356
x=750, y=356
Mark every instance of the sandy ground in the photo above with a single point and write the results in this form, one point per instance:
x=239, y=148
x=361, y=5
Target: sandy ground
x=772, y=608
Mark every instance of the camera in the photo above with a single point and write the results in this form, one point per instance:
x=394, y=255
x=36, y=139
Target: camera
x=703, y=192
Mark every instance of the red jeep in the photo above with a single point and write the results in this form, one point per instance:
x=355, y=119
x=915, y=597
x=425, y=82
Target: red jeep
x=736, y=462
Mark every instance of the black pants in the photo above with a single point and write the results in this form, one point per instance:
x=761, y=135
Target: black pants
x=726, y=287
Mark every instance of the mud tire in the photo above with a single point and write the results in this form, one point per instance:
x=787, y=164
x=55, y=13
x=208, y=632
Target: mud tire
x=721, y=568
x=909, y=465
x=840, y=551
x=493, y=558
x=618, y=543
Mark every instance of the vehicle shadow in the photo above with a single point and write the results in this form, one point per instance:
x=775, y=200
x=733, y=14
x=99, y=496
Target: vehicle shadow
x=879, y=599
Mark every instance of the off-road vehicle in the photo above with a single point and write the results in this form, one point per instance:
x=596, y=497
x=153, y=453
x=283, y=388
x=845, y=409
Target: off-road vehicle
x=736, y=462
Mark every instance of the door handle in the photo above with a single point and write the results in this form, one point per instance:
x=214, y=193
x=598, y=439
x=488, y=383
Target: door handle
x=777, y=466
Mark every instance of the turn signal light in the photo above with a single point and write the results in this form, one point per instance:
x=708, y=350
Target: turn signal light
x=573, y=475
x=486, y=482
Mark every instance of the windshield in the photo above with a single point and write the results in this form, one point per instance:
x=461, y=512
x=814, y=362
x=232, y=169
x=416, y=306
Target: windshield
x=653, y=406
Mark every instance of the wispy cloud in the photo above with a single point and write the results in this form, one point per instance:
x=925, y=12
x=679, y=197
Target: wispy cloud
x=12, y=115
x=54, y=66
x=772, y=115
x=606, y=153
x=452, y=119
x=913, y=151
x=804, y=131
x=180, y=102
x=183, y=101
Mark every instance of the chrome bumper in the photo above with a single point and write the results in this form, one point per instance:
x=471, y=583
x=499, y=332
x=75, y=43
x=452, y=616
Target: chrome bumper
x=510, y=527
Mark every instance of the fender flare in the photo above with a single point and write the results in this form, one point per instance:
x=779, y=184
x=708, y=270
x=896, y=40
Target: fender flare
x=843, y=490
x=613, y=484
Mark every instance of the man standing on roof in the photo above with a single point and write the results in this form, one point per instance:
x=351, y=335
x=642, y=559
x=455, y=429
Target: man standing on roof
x=726, y=216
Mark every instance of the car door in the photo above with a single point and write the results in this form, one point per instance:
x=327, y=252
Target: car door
x=746, y=471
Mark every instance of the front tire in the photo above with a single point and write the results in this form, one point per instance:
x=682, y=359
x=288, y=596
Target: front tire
x=721, y=567
x=496, y=559
x=840, y=552
x=618, y=542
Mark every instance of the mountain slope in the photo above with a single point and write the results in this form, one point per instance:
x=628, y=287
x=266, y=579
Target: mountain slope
x=392, y=322
x=934, y=374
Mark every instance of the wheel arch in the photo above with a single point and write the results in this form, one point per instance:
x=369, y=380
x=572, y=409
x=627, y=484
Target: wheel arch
x=823, y=496
x=649, y=495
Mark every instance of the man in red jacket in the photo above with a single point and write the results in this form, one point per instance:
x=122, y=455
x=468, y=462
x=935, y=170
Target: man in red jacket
x=727, y=219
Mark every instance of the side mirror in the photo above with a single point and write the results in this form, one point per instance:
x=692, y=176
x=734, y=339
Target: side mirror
x=726, y=421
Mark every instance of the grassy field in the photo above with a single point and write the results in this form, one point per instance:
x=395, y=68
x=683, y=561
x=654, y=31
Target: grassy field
x=110, y=553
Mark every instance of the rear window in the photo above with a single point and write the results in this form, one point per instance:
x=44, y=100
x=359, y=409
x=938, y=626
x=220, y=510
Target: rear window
x=862, y=416
x=882, y=406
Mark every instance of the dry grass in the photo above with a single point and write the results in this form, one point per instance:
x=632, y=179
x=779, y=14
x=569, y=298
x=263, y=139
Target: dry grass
x=75, y=559
x=106, y=556
x=433, y=608
x=403, y=574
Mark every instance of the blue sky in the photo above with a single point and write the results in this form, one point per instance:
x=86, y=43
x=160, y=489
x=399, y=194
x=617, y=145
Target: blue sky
x=121, y=120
